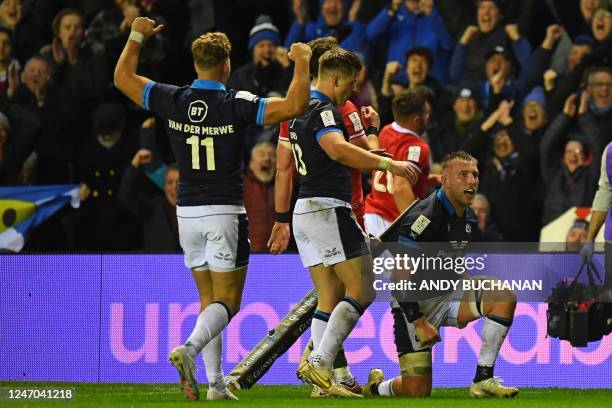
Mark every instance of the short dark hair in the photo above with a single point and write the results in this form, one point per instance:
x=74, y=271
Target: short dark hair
x=597, y=69
x=57, y=20
x=409, y=102
x=319, y=47
x=340, y=60
x=458, y=155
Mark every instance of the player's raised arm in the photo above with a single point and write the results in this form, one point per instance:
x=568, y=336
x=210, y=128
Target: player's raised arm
x=126, y=78
x=298, y=94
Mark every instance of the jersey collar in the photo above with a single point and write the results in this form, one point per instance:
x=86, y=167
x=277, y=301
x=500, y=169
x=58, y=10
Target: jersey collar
x=446, y=202
x=400, y=129
x=208, y=85
x=314, y=94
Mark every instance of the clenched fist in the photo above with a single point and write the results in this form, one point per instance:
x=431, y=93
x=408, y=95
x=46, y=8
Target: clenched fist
x=299, y=51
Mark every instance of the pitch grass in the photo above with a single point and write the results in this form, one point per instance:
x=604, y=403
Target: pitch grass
x=168, y=395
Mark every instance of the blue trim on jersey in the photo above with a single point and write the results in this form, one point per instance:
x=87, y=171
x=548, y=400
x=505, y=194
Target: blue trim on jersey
x=445, y=201
x=314, y=94
x=323, y=131
x=145, y=94
x=208, y=85
x=408, y=242
x=261, y=111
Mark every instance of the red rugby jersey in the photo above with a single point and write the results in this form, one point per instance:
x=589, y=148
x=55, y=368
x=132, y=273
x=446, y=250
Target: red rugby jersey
x=403, y=144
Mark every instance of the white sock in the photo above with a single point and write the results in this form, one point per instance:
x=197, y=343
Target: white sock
x=385, y=388
x=210, y=323
x=211, y=354
x=493, y=335
x=341, y=322
x=317, y=328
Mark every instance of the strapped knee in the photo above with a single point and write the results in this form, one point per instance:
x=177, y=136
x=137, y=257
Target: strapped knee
x=415, y=364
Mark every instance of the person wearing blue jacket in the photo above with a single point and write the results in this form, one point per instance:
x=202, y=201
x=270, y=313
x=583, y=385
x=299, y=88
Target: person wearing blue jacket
x=406, y=24
x=349, y=31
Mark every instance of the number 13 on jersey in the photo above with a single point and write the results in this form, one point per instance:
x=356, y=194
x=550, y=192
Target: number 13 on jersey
x=209, y=146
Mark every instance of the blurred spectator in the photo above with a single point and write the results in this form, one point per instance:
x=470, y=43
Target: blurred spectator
x=269, y=71
x=476, y=43
x=350, y=32
x=488, y=230
x=6, y=52
x=157, y=214
x=456, y=128
x=595, y=111
x=534, y=121
x=506, y=180
x=502, y=83
x=417, y=73
x=110, y=29
x=18, y=131
x=259, y=194
x=576, y=236
x=57, y=143
x=406, y=24
x=571, y=182
x=105, y=223
x=366, y=93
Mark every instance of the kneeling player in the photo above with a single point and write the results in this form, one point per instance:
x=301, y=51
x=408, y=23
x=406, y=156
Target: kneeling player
x=446, y=216
x=330, y=242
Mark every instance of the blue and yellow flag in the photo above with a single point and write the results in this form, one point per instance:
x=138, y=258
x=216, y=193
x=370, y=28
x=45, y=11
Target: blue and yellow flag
x=24, y=208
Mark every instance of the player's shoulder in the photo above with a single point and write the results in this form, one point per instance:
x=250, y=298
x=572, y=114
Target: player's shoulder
x=424, y=208
x=348, y=108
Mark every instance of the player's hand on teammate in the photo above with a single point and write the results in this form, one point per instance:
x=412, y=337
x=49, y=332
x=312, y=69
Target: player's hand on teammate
x=404, y=169
x=426, y=332
x=146, y=26
x=279, y=238
x=370, y=117
x=299, y=51
x=143, y=156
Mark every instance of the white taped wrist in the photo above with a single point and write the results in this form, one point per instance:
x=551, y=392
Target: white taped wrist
x=136, y=36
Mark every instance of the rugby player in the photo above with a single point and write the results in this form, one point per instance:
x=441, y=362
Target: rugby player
x=283, y=192
x=390, y=195
x=205, y=123
x=445, y=217
x=330, y=242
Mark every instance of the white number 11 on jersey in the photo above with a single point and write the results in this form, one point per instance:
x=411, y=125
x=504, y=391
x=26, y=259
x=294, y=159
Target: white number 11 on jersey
x=209, y=145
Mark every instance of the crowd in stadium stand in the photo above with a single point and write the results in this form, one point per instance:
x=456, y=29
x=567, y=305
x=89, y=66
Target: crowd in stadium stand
x=524, y=86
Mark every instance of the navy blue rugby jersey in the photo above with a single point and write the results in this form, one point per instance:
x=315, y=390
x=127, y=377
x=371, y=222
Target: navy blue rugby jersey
x=318, y=174
x=206, y=125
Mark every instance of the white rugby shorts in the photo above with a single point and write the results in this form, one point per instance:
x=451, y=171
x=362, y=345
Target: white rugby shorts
x=214, y=237
x=326, y=231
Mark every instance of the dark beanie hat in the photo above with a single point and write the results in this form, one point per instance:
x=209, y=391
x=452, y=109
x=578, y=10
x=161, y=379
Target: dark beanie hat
x=264, y=29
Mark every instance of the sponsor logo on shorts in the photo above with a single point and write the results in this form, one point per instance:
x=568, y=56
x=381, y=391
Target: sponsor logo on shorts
x=224, y=256
x=331, y=252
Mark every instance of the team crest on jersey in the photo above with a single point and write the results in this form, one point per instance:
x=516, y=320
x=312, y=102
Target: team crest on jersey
x=197, y=111
x=328, y=118
x=420, y=224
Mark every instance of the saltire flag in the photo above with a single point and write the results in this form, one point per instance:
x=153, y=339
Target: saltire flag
x=22, y=209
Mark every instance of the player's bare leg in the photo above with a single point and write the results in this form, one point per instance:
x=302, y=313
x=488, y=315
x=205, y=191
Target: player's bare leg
x=355, y=274
x=497, y=309
x=331, y=293
x=223, y=300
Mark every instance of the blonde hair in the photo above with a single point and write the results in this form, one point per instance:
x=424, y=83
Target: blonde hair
x=211, y=50
x=339, y=60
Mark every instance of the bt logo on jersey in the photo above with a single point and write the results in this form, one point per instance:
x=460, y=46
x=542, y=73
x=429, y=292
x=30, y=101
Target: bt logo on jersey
x=197, y=111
